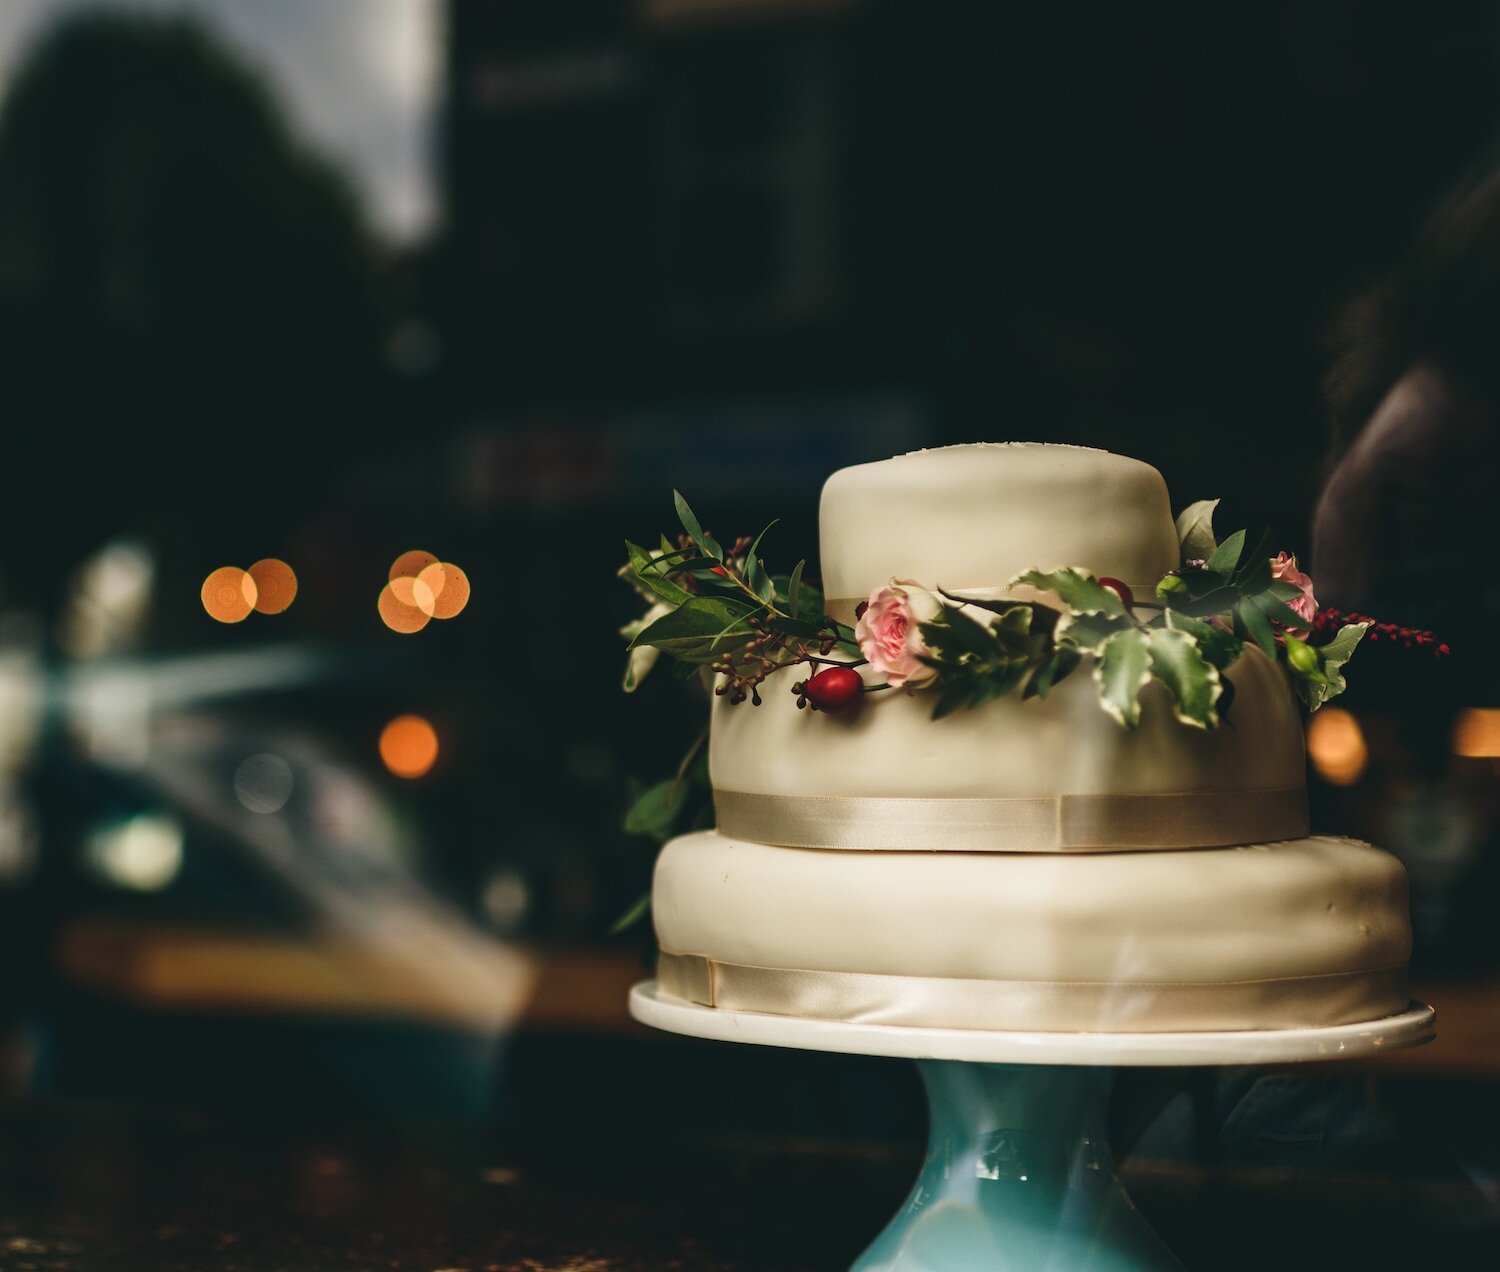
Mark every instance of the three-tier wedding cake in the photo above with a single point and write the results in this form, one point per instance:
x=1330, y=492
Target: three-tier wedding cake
x=1027, y=863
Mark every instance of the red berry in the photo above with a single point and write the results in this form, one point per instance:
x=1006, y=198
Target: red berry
x=1122, y=590
x=835, y=689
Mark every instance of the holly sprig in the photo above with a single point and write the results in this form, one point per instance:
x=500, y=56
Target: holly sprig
x=725, y=613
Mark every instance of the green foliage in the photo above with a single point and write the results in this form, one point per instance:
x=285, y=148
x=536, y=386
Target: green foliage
x=699, y=629
x=655, y=811
x=1195, y=530
x=1121, y=672
x=1079, y=590
x=1316, y=670
x=1193, y=681
x=1218, y=646
x=978, y=661
x=727, y=617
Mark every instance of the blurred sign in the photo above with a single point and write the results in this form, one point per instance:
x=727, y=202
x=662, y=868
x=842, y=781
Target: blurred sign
x=746, y=447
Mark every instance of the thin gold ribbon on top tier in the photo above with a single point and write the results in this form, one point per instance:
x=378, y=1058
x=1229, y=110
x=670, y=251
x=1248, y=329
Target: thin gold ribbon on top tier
x=1046, y=823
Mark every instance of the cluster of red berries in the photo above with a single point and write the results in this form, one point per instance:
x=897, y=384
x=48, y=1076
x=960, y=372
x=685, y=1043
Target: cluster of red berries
x=1327, y=622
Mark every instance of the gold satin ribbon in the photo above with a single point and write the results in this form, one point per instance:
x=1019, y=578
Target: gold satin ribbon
x=1288, y=1002
x=1053, y=823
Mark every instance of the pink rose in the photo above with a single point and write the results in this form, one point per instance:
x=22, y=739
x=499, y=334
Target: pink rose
x=1285, y=567
x=889, y=632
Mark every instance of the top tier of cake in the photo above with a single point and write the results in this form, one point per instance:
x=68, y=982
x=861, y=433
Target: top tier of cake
x=971, y=517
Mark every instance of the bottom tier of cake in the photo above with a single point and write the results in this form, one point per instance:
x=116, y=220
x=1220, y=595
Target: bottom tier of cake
x=1296, y=934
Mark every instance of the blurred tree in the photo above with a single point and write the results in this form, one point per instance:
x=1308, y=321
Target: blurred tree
x=189, y=317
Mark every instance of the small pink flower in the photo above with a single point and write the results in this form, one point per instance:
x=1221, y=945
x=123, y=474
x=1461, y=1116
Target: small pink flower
x=889, y=632
x=1285, y=567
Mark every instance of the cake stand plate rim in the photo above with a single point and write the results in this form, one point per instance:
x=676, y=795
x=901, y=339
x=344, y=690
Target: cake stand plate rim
x=1410, y=1028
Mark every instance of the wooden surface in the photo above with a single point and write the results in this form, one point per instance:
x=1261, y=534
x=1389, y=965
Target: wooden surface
x=104, y=1189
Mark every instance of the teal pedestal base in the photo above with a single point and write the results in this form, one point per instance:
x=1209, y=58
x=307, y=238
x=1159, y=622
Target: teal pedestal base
x=1018, y=1177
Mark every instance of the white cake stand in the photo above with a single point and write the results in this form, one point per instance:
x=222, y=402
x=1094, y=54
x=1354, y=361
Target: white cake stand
x=1018, y=1174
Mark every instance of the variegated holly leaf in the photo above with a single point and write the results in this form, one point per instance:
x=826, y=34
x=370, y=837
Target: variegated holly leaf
x=1088, y=633
x=1220, y=647
x=1121, y=672
x=1191, y=679
x=1079, y=590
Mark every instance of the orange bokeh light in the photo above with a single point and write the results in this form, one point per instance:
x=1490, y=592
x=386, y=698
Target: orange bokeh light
x=450, y=588
x=1336, y=746
x=414, y=593
x=409, y=746
x=229, y=594
x=1476, y=733
x=276, y=585
x=410, y=564
x=398, y=615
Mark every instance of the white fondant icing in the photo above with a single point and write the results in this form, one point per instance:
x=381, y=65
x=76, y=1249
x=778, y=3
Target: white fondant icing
x=1061, y=745
x=1311, y=907
x=977, y=515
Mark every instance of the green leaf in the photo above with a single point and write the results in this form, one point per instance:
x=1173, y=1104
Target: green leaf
x=954, y=696
x=1121, y=673
x=632, y=916
x=695, y=531
x=653, y=576
x=656, y=810
x=1077, y=589
x=972, y=635
x=688, y=518
x=699, y=629
x=1254, y=574
x=755, y=572
x=1278, y=611
x=1219, y=601
x=1192, y=680
x=1227, y=555
x=1087, y=633
x=1195, y=530
x=1221, y=648
x=1282, y=590
x=1049, y=672
x=794, y=590
x=1328, y=680
x=1254, y=624
x=1341, y=648
x=810, y=605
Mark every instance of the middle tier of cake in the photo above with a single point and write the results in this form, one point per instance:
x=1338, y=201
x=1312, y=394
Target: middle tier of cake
x=1043, y=775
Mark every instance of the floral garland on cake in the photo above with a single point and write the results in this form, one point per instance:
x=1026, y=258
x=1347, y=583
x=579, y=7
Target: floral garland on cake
x=723, y=613
x=722, y=616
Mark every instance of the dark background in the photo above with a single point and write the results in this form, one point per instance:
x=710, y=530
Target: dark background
x=725, y=248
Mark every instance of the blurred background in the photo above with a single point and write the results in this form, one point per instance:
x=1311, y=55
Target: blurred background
x=415, y=309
